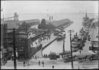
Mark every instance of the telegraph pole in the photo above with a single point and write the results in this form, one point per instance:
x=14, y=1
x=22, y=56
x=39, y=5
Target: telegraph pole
x=14, y=49
x=13, y=44
x=64, y=44
x=70, y=31
x=98, y=43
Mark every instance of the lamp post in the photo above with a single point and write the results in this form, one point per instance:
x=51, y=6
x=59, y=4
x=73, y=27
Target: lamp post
x=70, y=31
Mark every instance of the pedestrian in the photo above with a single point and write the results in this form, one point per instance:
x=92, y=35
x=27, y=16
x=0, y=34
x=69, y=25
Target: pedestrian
x=53, y=67
x=43, y=63
x=24, y=63
x=39, y=62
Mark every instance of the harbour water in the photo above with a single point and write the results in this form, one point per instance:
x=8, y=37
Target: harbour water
x=76, y=26
x=57, y=47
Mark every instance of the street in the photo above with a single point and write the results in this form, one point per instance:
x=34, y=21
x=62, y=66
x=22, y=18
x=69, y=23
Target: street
x=58, y=64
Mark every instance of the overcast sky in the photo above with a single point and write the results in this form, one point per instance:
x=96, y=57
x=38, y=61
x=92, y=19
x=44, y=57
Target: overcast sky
x=38, y=9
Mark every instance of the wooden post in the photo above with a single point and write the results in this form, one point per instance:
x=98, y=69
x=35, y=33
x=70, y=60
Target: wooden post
x=71, y=48
x=14, y=49
x=64, y=44
x=98, y=43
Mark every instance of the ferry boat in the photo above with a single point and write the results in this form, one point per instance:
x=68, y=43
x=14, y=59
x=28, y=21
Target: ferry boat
x=60, y=37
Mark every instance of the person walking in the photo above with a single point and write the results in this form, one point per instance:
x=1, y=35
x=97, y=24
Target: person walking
x=39, y=63
x=43, y=63
x=24, y=63
x=53, y=67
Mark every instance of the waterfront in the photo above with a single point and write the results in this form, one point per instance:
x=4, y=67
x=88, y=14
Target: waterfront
x=58, y=64
x=57, y=47
x=39, y=22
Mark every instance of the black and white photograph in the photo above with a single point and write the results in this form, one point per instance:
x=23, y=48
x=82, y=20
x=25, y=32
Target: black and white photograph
x=49, y=34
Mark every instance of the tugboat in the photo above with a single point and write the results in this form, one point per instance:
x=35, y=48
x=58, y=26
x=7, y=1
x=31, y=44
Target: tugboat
x=75, y=47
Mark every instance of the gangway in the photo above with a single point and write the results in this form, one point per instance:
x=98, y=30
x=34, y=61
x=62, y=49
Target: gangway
x=42, y=47
x=49, y=44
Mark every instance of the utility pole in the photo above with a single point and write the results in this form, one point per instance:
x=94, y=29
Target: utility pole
x=70, y=31
x=64, y=44
x=98, y=44
x=12, y=38
x=14, y=49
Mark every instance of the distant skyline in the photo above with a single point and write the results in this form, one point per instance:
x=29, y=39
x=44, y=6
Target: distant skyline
x=43, y=9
